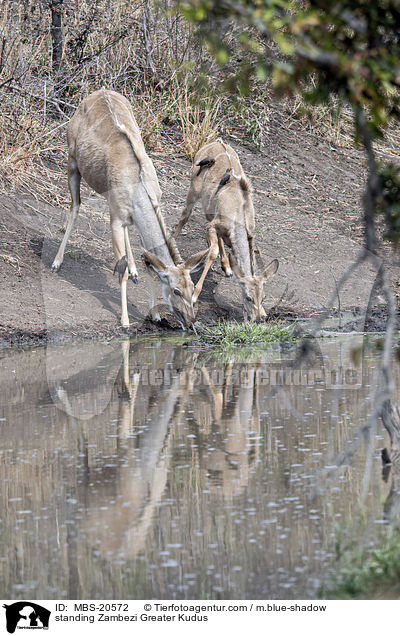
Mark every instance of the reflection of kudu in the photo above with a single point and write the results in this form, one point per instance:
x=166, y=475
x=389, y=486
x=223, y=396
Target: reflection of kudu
x=233, y=431
x=81, y=376
x=143, y=462
x=391, y=459
x=219, y=182
x=106, y=149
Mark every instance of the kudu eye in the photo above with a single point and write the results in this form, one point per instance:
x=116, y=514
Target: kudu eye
x=177, y=292
x=249, y=298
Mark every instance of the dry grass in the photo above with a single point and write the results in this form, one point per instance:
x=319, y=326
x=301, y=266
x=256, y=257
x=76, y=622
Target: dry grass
x=149, y=113
x=333, y=122
x=252, y=114
x=125, y=46
x=198, y=119
x=135, y=47
x=11, y=260
x=29, y=144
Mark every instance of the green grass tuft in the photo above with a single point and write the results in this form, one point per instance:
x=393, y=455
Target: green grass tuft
x=228, y=334
x=369, y=573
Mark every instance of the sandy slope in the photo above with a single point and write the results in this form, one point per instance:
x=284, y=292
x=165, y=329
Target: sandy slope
x=307, y=197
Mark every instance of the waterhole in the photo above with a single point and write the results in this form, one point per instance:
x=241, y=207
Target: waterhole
x=151, y=469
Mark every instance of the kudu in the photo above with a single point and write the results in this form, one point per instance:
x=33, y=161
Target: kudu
x=106, y=149
x=147, y=417
x=218, y=181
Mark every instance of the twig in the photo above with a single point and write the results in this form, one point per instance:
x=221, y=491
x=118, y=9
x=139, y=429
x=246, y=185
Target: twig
x=317, y=322
x=337, y=290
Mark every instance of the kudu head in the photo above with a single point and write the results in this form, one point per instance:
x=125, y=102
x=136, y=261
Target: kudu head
x=253, y=289
x=177, y=285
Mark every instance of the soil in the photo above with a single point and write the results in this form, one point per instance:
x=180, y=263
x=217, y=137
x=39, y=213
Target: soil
x=307, y=197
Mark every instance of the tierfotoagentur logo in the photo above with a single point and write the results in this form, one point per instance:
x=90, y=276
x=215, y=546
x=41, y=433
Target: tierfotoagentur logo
x=26, y=615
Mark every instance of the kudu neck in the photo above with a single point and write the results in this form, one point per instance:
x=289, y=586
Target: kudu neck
x=240, y=247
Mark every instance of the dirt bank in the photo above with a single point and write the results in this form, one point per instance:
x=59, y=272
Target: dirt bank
x=307, y=196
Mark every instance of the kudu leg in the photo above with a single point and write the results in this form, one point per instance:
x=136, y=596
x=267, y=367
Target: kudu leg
x=190, y=201
x=218, y=401
x=118, y=242
x=224, y=259
x=133, y=274
x=228, y=379
x=74, y=182
x=212, y=239
x=127, y=395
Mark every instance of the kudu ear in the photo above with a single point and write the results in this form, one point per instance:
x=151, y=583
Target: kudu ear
x=154, y=263
x=236, y=269
x=271, y=269
x=194, y=262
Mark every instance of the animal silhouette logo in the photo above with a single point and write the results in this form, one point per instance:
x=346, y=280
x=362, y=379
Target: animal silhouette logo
x=26, y=615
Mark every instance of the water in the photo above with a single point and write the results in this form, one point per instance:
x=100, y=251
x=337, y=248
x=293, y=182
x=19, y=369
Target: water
x=150, y=469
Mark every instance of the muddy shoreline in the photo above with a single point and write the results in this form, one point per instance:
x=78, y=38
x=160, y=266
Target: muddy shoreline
x=307, y=198
x=352, y=322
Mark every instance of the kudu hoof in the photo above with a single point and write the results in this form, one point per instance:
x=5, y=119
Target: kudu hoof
x=55, y=267
x=134, y=278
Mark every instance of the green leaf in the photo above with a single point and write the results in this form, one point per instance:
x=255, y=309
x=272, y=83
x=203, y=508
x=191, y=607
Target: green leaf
x=261, y=73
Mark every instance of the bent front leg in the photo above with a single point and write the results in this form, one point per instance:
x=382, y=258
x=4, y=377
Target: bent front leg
x=212, y=239
x=74, y=182
x=224, y=259
x=190, y=201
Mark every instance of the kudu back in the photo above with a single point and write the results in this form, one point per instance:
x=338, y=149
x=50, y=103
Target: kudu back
x=106, y=149
x=219, y=182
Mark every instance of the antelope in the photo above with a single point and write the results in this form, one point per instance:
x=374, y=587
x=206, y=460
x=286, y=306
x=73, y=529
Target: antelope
x=106, y=149
x=144, y=456
x=235, y=417
x=218, y=181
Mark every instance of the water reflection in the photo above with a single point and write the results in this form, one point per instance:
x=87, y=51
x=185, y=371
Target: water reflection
x=146, y=469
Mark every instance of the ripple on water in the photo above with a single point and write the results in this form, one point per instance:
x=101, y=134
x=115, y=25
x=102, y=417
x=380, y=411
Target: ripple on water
x=165, y=477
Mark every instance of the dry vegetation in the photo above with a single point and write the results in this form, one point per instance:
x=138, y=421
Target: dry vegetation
x=141, y=48
x=136, y=48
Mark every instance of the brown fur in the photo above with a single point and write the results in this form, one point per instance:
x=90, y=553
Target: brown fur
x=230, y=212
x=106, y=149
